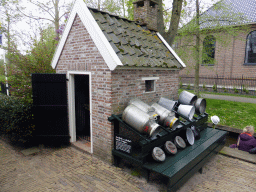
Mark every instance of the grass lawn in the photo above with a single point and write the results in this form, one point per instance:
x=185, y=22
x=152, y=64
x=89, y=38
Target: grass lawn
x=232, y=114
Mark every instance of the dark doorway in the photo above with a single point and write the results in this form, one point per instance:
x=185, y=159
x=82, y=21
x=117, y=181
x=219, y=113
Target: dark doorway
x=82, y=107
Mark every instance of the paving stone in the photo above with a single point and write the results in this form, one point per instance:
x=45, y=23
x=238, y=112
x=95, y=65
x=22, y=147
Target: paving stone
x=30, y=151
x=70, y=170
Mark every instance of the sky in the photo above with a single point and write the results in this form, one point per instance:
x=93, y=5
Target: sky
x=24, y=27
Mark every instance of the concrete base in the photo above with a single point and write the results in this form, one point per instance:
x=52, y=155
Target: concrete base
x=30, y=151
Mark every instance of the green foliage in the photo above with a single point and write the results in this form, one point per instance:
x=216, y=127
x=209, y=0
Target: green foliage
x=112, y=6
x=235, y=89
x=130, y=9
x=224, y=89
x=38, y=60
x=214, y=87
x=16, y=117
x=245, y=89
x=204, y=87
x=188, y=86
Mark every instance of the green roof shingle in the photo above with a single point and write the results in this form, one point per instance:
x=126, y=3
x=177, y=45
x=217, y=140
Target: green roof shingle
x=134, y=45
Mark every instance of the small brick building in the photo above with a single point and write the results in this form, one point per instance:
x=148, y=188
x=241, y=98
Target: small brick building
x=108, y=60
x=234, y=58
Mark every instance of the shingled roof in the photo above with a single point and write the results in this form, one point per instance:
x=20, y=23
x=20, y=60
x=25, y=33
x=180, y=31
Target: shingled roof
x=134, y=45
x=229, y=12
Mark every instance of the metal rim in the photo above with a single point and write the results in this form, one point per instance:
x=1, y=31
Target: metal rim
x=179, y=142
x=190, y=136
x=158, y=154
x=200, y=106
x=170, y=148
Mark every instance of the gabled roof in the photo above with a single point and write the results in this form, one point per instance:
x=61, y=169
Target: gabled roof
x=229, y=12
x=121, y=42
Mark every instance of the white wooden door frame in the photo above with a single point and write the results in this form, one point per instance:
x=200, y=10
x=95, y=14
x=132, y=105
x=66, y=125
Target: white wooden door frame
x=71, y=104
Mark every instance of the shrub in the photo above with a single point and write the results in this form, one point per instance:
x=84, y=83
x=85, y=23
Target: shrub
x=245, y=90
x=224, y=89
x=214, y=87
x=235, y=90
x=188, y=86
x=16, y=117
x=204, y=87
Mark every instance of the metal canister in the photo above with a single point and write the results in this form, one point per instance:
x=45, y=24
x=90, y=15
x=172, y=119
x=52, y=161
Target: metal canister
x=187, y=98
x=167, y=103
x=200, y=106
x=145, y=107
x=140, y=120
x=167, y=118
x=171, y=121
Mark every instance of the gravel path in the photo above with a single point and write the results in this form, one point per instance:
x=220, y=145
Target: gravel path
x=230, y=98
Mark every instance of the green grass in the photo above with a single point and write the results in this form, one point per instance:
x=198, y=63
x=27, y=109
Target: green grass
x=232, y=114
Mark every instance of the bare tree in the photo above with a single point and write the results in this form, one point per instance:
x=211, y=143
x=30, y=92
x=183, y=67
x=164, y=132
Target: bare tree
x=170, y=34
x=49, y=10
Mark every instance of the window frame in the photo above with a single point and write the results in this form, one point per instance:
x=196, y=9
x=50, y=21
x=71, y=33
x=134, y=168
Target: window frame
x=154, y=79
x=213, y=48
x=246, y=57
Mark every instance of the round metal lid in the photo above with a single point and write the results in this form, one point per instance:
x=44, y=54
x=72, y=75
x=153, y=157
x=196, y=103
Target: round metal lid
x=158, y=154
x=190, y=136
x=170, y=148
x=179, y=142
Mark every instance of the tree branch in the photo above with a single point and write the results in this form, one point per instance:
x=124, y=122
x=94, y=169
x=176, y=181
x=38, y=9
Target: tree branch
x=43, y=7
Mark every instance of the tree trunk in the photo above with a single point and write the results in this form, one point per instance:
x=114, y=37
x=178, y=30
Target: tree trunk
x=174, y=23
x=98, y=4
x=160, y=18
x=57, y=18
x=196, y=84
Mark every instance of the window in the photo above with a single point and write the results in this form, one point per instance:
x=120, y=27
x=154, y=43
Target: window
x=208, y=50
x=250, y=50
x=150, y=83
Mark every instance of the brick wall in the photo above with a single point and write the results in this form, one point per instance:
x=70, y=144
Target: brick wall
x=81, y=54
x=229, y=57
x=128, y=84
x=111, y=91
x=147, y=14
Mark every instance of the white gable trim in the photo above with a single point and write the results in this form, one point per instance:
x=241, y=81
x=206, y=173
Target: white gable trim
x=170, y=49
x=101, y=42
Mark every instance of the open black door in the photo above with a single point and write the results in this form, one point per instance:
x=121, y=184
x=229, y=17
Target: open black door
x=50, y=108
x=82, y=106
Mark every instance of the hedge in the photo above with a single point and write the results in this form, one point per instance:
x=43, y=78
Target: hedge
x=16, y=117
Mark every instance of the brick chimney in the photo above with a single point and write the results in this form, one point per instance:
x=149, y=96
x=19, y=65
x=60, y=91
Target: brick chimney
x=145, y=13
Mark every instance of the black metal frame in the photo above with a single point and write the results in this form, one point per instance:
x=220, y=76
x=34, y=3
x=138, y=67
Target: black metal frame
x=142, y=144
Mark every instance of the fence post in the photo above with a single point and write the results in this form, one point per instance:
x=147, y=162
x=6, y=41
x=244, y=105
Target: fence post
x=242, y=84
